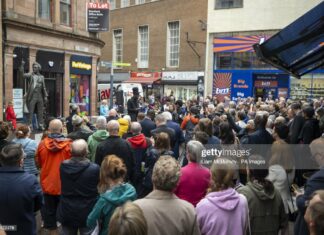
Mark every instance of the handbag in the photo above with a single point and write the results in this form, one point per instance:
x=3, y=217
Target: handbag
x=292, y=207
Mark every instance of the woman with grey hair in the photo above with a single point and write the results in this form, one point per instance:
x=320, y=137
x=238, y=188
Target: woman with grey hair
x=194, y=178
x=164, y=212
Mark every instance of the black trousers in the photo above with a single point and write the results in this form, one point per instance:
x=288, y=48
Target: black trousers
x=49, y=212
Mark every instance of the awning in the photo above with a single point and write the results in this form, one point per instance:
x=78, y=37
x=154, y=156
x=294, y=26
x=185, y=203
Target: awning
x=144, y=77
x=142, y=80
x=298, y=48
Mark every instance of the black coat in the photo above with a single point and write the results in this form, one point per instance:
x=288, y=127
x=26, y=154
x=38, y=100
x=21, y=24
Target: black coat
x=133, y=108
x=119, y=147
x=79, y=180
x=295, y=128
x=147, y=126
x=310, y=131
x=81, y=133
x=20, y=197
x=171, y=133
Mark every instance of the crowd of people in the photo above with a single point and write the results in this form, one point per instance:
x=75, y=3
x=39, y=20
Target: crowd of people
x=143, y=173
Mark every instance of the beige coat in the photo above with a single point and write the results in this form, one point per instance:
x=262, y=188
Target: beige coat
x=166, y=214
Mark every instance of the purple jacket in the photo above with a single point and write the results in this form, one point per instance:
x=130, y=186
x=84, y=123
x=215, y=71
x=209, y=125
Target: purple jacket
x=223, y=213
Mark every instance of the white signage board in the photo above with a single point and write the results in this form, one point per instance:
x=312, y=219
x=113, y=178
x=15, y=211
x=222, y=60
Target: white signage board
x=18, y=103
x=183, y=76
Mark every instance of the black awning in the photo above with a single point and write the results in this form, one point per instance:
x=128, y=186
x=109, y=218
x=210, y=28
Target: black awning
x=299, y=47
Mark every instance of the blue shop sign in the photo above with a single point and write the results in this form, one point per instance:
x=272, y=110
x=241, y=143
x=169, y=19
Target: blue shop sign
x=81, y=65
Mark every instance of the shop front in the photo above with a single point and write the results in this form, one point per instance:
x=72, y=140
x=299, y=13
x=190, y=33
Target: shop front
x=80, y=75
x=181, y=85
x=150, y=82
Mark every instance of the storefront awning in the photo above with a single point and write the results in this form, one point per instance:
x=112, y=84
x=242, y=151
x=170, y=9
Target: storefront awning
x=298, y=48
x=144, y=78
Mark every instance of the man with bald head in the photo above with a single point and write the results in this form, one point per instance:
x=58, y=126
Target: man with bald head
x=139, y=144
x=79, y=179
x=117, y=146
x=51, y=152
x=112, y=115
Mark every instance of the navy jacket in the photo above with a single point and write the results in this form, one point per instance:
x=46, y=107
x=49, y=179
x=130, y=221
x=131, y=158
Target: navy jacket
x=178, y=135
x=79, y=180
x=168, y=130
x=20, y=197
x=316, y=182
x=147, y=126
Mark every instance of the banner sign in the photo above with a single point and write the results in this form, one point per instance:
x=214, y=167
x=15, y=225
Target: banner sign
x=97, y=16
x=222, y=85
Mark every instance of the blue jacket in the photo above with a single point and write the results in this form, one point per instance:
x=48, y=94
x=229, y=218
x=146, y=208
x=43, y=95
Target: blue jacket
x=147, y=126
x=20, y=197
x=179, y=137
x=106, y=205
x=316, y=182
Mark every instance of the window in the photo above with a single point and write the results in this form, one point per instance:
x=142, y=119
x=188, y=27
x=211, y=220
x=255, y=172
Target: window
x=223, y=4
x=139, y=2
x=118, y=46
x=124, y=3
x=65, y=12
x=143, y=47
x=44, y=9
x=173, y=44
x=112, y=4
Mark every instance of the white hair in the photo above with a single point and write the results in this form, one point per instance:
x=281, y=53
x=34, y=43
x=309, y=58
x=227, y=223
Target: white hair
x=101, y=123
x=128, y=118
x=167, y=116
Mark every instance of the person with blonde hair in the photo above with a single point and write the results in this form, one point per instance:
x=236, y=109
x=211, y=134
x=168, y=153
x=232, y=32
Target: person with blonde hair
x=128, y=219
x=113, y=191
x=165, y=213
x=223, y=206
x=29, y=147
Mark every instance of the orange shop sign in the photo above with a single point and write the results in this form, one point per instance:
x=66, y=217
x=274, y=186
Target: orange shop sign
x=143, y=75
x=265, y=83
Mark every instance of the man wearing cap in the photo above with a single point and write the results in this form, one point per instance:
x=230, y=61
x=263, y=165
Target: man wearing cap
x=82, y=128
x=133, y=105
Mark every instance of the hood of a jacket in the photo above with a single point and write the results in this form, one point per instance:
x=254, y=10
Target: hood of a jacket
x=138, y=141
x=225, y=200
x=74, y=168
x=123, y=122
x=56, y=144
x=259, y=191
x=118, y=195
x=100, y=135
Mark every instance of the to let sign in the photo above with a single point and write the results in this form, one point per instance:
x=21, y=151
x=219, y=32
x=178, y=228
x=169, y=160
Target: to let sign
x=98, y=16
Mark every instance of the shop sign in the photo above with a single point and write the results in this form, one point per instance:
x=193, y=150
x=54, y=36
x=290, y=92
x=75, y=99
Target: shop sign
x=222, y=85
x=266, y=83
x=138, y=75
x=80, y=65
x=97, y=16
x=17, y=95
x=181, y=76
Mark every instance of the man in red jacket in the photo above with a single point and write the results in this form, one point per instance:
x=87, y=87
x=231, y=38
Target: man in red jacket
x=51, y=152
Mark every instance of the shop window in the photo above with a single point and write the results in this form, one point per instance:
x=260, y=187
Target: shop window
x=139, y=2
x=118, y=45
x=242, y=60
x=112, y=4
x=225, y=4
x=65, y=12
x=173, y=44
x=143, y=47
x=124, y=3
x=224, y=60
x=80, y=92
x=45, y=9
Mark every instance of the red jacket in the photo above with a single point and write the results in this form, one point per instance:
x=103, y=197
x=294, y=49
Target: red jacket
x=50, y=154
x=11, y=116
x=193, y=183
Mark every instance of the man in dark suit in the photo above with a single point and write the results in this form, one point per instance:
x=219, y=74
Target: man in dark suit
x=161, y=126
x=178, y=133
x=148, y=124
x=117, y=146
x=133, y=105
x=296, y=122
x=316, y=182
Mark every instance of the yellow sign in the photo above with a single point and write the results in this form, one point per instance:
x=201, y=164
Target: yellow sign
x=121, y=64
x=81, y=65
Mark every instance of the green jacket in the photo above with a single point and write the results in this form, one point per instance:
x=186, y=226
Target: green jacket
x=106, y=205
x=266, y=209
x=94, y=140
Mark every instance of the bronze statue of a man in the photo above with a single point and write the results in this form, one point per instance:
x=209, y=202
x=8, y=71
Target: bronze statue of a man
x=36, y=95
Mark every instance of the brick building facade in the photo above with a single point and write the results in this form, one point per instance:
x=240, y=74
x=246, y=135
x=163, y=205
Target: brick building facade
x=54, y=34
x=163, y=40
